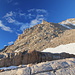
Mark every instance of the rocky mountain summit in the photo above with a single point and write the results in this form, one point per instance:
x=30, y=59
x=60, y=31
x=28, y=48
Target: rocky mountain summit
x=44, y=35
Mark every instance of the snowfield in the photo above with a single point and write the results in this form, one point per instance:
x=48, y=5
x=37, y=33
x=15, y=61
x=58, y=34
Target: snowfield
x=68, y=48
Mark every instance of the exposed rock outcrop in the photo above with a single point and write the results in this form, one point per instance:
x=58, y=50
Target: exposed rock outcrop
x=28, y=57
x=57, y=67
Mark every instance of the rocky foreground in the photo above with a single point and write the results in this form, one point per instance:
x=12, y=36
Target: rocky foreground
x=26, y=51
x=57, y=67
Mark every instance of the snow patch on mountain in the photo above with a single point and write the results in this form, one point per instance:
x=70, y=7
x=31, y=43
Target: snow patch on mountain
x=68, y=22
x=66, y=26
x=12, y=67
x=68, y=48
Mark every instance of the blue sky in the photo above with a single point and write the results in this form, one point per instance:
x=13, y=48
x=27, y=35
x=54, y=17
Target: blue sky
x=17, y=15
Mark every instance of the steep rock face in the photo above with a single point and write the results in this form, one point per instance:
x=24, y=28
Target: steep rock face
x=37, y=35
x=28, y=57
x=43, y=36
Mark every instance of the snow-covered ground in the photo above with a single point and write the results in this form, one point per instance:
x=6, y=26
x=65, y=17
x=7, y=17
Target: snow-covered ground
x=68, y=48
x=12, y=67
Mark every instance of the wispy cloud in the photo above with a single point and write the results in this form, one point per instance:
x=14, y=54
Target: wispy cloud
x=10, y=17
x=17, y=33
x=32, y=17
x=5, y=45
x=37, y=18
x=22, y=14
x=10, y=43
x=39, y=11
x=9, y=14
x=24, y=26
x=35, y=22
x=10, y=20
x=5, y=28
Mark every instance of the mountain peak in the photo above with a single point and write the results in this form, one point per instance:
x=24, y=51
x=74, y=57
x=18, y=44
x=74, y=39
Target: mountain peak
x=44, y=22
x=43, y=35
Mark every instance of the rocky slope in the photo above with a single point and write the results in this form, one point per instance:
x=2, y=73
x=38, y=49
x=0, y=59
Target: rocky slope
x=44, y=35
x=57, y=67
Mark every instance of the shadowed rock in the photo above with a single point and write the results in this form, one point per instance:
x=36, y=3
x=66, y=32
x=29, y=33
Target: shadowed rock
x=56, y=67
x=32, y=56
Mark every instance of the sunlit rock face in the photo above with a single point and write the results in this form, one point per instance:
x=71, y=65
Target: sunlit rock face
x=44, y=35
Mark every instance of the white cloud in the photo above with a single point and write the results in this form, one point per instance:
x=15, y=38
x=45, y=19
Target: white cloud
x=22, y=14
x=38, y=17
x=5, y=28
x=10, y=17
x=5, y=45
x=31, y=24
x=39, y=11
x=30, y=16
x=17, y=33
x=37, y=20
x=33, y=17
x=34, y=22
x=10, y=43
x=24, y=26
x=9, y=14
x=10, y=20
x=30, y=10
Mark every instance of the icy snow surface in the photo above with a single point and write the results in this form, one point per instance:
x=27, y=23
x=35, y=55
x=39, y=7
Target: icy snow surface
x=68, y=48
x=11, y=67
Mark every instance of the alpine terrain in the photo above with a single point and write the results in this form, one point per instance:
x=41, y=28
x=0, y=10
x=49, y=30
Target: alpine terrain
x=44, y=49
